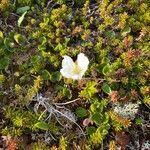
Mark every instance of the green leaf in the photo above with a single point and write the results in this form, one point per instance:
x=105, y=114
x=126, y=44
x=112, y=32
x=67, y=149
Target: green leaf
x=4, y=62
x=21, y=18
x=2, y=78
x=43, y=40
x=96, y=117
x=110, y=34
x=106, y=69
x=67, y=93
x=138, y=121
x=95, y=107
x=55, y=76
x=106, y=88
x=81, y=112
x=59, y=47
x=21, y=10
x=125, y=31
x=98, y=106
x=1, y=35
x=41, y=47
x=89, y=90
x=90, y=130
x=8, y=44
x=42, y=125
x=45, y=75
x=105, y=118
x=105, y=60
x=18, y=38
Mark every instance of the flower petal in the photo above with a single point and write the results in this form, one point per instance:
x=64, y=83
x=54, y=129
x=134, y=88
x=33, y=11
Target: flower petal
x=65, y=73
x=82, y=62
x=76, y=76
x=67, y=67
x=67, y=62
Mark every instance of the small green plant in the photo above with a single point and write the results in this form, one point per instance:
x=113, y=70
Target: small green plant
x=101, y=120
x=89, y=91
x=63, y=143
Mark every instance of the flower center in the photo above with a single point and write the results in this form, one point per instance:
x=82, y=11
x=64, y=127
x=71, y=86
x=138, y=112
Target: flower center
x=76, y=69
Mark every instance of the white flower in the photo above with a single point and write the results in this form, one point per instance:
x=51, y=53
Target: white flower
x=74, y=70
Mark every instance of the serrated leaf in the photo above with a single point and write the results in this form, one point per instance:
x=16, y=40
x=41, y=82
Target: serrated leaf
x=21, y=18
x=96, y=117
x=21, y=10
x=81, y=112
x=42, y=125
x=106, y=88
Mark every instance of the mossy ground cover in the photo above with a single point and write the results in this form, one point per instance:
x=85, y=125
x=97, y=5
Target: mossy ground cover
x=108, y=108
